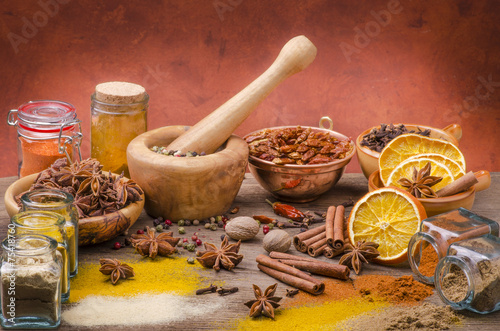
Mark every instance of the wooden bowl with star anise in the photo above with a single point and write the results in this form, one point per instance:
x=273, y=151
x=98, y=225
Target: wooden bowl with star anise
x=91, y=230
x=435, y=206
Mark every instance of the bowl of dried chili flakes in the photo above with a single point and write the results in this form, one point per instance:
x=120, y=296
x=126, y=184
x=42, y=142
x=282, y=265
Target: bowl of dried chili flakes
x=298, y=163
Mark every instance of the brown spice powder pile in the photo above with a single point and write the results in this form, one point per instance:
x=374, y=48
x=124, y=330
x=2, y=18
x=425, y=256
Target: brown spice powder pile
x=396, y=290
x=422, y=317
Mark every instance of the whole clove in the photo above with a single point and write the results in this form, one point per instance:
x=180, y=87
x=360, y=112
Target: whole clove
x=290, y=224
x=348, y=203
x=292, y=293
x=226, y=291
x=211, y=289
x=378, y=138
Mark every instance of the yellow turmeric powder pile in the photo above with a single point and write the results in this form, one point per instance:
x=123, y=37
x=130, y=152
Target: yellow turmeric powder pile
x=151, y=276
x=321, y=317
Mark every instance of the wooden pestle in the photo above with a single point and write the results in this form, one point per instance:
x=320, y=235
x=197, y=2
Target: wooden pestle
x=212, y=131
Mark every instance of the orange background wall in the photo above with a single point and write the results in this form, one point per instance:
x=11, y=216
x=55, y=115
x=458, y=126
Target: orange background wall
x=429, y=62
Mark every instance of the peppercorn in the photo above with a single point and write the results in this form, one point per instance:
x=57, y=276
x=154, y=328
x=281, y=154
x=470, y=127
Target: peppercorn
x=212, y=219
x=221, y=224
x=222, y=237
x=190, y=260
x=194, y=237
x=184, y=240
x=140, y=232
x=185, y=245
x=187, y=223
x=180, y=243
x=160, y=219
x=207, y=225
x=196, y=222
x=265, y=229
x=182, y=230
x=191, y=247
x=180, y=222
x=117, y=245
x=159, y=228
x=271, y=226
x=168, y=222
x=213, y=227
x=166, y=226
x=218, y=219
x=198, y=242
x=156, y=222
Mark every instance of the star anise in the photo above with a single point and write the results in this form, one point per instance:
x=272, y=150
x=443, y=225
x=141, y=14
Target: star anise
x=421, y=182
x=361, y=252
x=226, y=256
x=116, y=269
x=264, y=303
x=149, y=244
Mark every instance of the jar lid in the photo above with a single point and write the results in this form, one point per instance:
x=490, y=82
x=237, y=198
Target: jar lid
x=119, y=93
x=45, y=114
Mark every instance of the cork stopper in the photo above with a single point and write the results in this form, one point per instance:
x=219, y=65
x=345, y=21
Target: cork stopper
x=119, y=93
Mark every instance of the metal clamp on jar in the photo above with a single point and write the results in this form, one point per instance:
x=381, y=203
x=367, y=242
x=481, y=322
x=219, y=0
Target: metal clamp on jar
x=47, y=130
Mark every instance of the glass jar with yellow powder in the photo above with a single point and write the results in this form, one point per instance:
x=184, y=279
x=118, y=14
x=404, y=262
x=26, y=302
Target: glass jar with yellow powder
x=118, y=114
x=61, y=203
x=51, y=225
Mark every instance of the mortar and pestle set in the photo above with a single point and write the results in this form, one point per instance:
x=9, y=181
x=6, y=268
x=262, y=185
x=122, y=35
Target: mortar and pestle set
x=200, y=187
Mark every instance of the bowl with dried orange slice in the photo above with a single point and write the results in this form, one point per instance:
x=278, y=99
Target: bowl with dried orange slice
x=370, y=142
x=432, y=170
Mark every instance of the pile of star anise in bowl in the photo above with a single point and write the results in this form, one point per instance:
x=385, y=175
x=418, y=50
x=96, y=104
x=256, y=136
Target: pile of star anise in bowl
x=107, y=204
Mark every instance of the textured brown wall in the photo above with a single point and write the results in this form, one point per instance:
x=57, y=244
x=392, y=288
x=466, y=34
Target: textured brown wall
x=432, y=62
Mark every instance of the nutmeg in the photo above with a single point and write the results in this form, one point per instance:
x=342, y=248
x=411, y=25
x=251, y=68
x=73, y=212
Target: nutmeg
x=242, y=228
x=277, y=241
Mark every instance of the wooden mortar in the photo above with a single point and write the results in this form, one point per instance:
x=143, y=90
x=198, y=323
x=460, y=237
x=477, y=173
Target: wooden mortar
x=186, y=187
x=209, y=133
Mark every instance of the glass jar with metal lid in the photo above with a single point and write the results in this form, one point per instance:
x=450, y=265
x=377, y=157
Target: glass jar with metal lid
x=47, y=130
x=51, y=225
x=30, y=285
x=61, y=203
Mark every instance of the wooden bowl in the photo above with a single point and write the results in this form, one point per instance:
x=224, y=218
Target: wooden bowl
x=368, y=159
x=435, y=206
x=186, y=187
x=91, y=230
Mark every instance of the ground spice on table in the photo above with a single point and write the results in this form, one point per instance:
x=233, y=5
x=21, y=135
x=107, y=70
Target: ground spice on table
x=169, y=274
x=396, y=290
x=141, y=309
x=321, y=317
x=421, y=317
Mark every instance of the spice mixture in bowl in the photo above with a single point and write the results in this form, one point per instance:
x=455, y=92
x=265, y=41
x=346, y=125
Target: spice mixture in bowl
x=370, y=142
x=297, y=163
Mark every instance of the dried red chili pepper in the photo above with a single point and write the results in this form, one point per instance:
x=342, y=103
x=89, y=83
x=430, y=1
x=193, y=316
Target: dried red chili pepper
x=264, y=219
x=287, y=211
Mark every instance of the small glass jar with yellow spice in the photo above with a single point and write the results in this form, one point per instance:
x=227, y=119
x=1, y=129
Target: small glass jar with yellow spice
x=118, y=114
x=61, y=203
x=49, y=224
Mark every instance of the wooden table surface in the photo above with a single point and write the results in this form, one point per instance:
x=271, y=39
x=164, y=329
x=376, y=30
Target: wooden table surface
x=251, y=200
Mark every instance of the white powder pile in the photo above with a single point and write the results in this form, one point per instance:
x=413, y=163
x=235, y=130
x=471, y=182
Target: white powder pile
x=142, y=309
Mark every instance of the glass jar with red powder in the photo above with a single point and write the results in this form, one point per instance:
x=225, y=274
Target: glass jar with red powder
x=47, y=130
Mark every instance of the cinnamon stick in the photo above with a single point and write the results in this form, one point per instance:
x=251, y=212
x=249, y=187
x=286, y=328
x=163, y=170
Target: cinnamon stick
x=330, y=253
x=298, y=239
x=338, y=228
x=317, y=248
x=290, y=275
x=312, y=265
x=459, y=185
x=329, y=224
x=306, y=243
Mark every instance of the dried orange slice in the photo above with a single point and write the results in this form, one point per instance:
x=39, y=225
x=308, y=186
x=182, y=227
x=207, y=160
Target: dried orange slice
x=405, y=170
x=454, y=167
x=389, y=217
x=406, y=145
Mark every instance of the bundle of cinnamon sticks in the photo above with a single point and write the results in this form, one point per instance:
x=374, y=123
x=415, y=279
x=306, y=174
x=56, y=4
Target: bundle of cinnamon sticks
x=326, y=239
x=293, y=270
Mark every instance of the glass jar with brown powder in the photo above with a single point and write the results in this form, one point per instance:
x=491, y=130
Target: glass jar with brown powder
x=469, y=276
x=437, y=233
x=31, y=270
